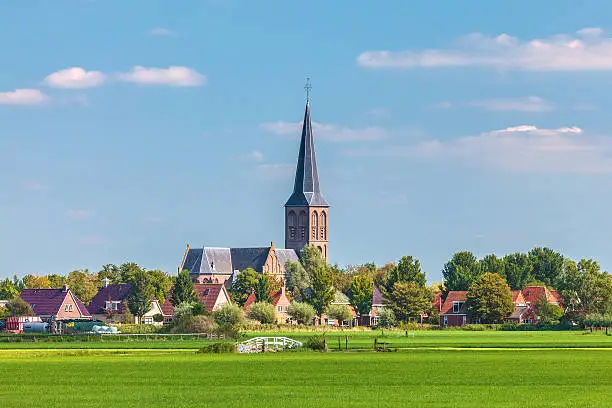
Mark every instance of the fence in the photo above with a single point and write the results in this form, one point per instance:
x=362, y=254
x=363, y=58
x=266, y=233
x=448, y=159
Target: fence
x=103, y=337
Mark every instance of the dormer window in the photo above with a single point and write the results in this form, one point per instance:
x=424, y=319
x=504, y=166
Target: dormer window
x=457, y=306
x=206, y=292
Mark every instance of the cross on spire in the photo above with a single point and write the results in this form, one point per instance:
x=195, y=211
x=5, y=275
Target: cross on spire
x=307, y=88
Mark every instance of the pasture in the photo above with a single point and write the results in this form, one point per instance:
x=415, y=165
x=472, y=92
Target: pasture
x=417, y=377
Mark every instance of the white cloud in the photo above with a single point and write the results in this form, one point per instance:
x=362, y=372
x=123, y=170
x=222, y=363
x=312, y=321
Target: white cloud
x=586, y=50
x=160, y=31
x=75, y=77
x=80, y=214
x=33, y=185
x=256, y=155
x=333, y=133
x=524, y=104
x=175, y=76
x=23, y=97
x=526, y=149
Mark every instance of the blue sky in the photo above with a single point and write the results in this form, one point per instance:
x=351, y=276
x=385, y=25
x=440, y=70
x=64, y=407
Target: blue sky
x=129, y=129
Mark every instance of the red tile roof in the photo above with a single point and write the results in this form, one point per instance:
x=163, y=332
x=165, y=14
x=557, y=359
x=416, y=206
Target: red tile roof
x=533, y=293
x=276, y=296
x=454, y=296
x=47, y=302
x=207, y=292
x=517, y=297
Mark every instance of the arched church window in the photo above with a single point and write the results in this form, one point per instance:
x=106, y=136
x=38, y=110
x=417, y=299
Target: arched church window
x=291, y=223
x=323, y=226
x=303, y=223
x=315, y=225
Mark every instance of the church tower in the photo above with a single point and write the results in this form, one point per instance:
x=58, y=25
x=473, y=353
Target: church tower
x=306, y=211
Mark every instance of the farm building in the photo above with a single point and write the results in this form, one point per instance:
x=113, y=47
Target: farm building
x=60, y=304
x=110, y=305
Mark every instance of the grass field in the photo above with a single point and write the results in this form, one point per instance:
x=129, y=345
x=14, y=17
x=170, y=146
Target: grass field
x=419, y=378
x=365, y=340
x=431, y=369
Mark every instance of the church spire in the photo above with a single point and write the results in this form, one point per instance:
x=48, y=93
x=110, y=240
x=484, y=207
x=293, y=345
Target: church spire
x=306, y=188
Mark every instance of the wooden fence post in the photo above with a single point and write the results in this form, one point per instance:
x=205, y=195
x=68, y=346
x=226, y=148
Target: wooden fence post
x=339, y=344
x=346, y=343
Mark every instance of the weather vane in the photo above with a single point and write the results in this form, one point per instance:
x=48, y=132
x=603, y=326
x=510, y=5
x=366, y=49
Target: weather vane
x=307, y=87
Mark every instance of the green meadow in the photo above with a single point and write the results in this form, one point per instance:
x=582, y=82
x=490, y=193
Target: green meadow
x=417, y=377
x=358, y=340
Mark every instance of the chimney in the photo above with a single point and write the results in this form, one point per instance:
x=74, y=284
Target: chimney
x=105, y=282
x=65, y=288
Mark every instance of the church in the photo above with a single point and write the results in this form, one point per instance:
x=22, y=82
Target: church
x=306, y=222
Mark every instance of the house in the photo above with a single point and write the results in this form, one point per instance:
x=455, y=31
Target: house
x=520, y=307
x=212, y=296
x=532, y=294
x=280, y=301
x=59, y=304
x=339, y=299
x=110, y=305
x=220, y=265
x=371, y=319
x=454, y=311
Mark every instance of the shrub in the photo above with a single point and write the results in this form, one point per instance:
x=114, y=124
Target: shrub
x=219, y=348
x=302, y=312
x=340, y=313
x=316, y=343
x=138, y=329
x=263, y=312
x=198, y=324
x=183, y=308
x=199, y=308
x=386, y=318
x=229, y=315
x=158, y=318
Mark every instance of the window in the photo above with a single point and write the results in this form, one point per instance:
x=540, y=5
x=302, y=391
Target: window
x=148, y=320
x=457, y=306
x=446, y=320
x=279, y=308
x=206, y=292
x=68, y=308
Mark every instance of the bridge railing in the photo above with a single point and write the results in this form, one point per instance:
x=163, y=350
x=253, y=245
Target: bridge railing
x=262, y=344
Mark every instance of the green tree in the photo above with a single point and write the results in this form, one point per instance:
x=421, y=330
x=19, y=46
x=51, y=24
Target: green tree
x=110, y=272
x=183, y=289
x=161, y=283
x=56, y=281
x=19, y=307
x=301, y=312
x=489, y=299
x=409, y=300
x=491, y=263
x=139, y=300
x=229, y=315
x=320, y=291
x=546, y=312
x=517, y=268
x=585, y=288
x=296, y=279
x=341, y=278
x=407, y=270
x=263, y=312
x=340, y=313
x=547, y=265
x=461, y=271
x=128, y=271
x=386, y=318
x=83, y=284
x=8, y=290
x=360, y=294
x=245, y=283
x=266, y=286
x=36, y=282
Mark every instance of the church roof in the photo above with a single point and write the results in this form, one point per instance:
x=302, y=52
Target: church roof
x=209, y=260
x=306, y=188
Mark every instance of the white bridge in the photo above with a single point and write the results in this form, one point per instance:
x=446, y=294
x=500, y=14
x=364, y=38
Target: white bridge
x=263, y=344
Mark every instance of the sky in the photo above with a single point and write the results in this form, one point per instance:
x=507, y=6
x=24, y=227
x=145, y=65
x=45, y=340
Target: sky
x=131, y=129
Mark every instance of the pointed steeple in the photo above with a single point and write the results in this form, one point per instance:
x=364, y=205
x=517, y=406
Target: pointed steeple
x=306, y=188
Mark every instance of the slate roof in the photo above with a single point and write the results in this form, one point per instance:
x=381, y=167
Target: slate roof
x=207, y=292
x=454, y=296
x=306, y=190
x=377, y=298
x=208, y=260
x=47, y=302
x=116, y=292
